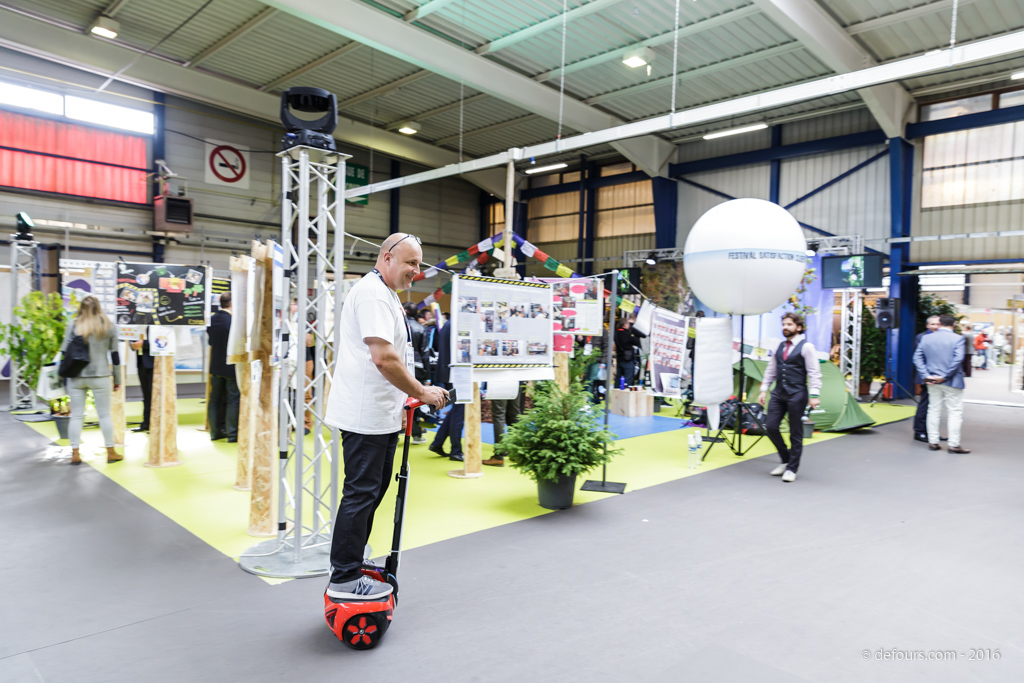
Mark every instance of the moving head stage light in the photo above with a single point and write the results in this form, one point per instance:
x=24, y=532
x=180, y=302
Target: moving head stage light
x=309, y=132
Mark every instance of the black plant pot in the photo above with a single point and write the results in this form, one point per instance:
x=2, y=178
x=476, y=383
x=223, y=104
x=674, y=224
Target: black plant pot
x=62, y=425
x=556, y=495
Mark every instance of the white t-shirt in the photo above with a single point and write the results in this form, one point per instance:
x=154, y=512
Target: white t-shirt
x=362, y=400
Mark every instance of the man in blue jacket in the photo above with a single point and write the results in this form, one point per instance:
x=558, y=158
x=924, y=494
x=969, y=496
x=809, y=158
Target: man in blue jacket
x=451, y=428
x=921, y=416
x=939, y=361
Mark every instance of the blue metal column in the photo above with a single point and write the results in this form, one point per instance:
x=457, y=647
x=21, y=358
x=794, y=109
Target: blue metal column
x=665, y=192
x=519, y=227
x=159, y=152
x=775, y=167
x=395, y=197
x=591, y=214
x=581, y=232
x=901, y=184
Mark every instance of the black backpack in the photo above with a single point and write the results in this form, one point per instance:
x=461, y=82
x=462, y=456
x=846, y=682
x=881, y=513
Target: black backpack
x=75, y=358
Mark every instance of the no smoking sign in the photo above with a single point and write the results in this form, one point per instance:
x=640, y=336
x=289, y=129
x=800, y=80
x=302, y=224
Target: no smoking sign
x=226, y=164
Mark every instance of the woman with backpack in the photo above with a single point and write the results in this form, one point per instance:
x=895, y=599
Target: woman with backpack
x=100, y=337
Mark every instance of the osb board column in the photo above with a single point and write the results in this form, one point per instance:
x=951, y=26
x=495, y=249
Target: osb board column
x=562, y=370
x=265, y=457
x=243, y=473
x=473, y=455
x=117, y=398
x=163, y=418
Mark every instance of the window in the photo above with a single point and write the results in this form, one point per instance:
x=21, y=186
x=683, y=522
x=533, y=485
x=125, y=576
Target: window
x=951, y=108
x=625, y=209
x=977, y=166
x=555, y=218
x=77, y=108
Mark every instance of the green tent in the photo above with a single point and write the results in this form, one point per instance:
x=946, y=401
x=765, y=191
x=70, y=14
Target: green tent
x=838, y=412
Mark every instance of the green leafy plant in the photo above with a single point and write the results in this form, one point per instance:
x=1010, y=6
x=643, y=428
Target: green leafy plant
x=929, y=305
x=872, y=347
x=34, y=337
x=559, y=435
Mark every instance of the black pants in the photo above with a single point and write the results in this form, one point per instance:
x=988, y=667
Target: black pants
x=369, y=459
x=921, y=416
x=626, y=369
x=451, y=427
x=146, y=384
x=223, y=407
x=794, y=406
x=504, y=413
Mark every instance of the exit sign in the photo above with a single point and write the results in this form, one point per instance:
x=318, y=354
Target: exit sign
x=357, y=176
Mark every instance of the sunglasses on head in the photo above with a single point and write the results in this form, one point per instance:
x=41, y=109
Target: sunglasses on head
x=418, y=241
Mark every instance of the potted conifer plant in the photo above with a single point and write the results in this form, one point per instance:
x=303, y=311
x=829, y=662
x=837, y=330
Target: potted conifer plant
x=556, y=440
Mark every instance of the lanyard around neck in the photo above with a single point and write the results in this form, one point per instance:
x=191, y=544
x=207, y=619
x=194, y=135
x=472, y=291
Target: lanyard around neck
x=408, y=330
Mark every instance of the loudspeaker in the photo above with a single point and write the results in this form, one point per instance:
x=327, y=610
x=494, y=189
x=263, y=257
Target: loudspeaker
x=886, y=313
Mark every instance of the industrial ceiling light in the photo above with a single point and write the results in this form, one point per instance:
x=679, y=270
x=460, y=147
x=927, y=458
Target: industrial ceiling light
x=652, y=259
x=542, y=169
x=105, y=27
x=409, y=128
x=1017, y=76
x=637, y=58
x=735, y=131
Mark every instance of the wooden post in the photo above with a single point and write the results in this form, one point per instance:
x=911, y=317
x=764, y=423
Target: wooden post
x=472, y=460
x=163, y=418
x=265, y=463
x=243, y=474
x=117, y=398
x=562, y=370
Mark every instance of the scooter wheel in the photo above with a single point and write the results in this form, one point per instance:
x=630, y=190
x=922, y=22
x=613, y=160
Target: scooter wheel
x=361, y=632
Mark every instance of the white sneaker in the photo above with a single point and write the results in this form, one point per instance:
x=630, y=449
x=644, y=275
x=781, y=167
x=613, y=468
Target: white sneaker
x=790, y=475
x=779, y=470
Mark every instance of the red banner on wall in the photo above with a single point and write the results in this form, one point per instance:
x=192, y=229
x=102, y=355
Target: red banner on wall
x=52, y=156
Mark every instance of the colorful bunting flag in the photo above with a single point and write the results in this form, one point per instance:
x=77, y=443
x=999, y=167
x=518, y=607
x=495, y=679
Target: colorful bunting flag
x=527, y=248
x=551, y=264
x=462, y=256
x=540, y=255
x=473, y=249
x=447, y=287
x=486, y=245
x=562, y=270
x=452, y=260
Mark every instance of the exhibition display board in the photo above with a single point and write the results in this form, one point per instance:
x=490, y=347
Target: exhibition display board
x=502, y=327
x=89, y=278
x=162, y=294
x=669, y=360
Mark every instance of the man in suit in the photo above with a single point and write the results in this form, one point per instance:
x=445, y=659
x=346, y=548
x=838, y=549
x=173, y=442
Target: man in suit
x=921, y=416
x=939, y=360
x=144, y=365
x=451, y=428
x=796, y=366
x=224, y=396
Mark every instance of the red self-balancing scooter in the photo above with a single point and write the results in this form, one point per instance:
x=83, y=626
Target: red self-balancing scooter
x=361, y=624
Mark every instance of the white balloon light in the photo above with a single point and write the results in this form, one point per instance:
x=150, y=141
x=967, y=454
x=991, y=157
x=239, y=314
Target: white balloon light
x=745, y=257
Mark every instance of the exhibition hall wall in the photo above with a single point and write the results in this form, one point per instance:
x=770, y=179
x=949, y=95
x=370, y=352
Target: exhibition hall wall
x=444, y=214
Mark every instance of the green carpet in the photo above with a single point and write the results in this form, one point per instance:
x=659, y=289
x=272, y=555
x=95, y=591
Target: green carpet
x=199, y=496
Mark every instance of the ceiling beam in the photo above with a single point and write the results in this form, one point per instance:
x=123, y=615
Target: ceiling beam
x=257, y=20
x=426, y=9
x=487, y=129
x=77, y=50
x=437, y=111
x=823, y=37
x=114, y=7
x=386, y=88
x=316, y=63
x=356, y=20
x=549, y=24
x=660, y=39
x=698, y=72
x=904, y=15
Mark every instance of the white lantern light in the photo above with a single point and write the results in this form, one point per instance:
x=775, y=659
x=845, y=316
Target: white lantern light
x=745, y=257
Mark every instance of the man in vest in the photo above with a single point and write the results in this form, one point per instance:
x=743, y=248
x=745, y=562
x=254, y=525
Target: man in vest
x=795, y=365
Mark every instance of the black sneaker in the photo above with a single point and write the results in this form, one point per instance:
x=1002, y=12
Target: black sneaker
x=921, y=437
x=457, y=457
x=434, y=448
x=363, y=588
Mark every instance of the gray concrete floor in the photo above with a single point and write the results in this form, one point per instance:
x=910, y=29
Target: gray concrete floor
x=880, y=545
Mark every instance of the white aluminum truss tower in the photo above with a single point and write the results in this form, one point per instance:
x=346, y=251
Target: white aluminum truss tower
x=312, y=236
x=24, y=279
x=851, y=308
